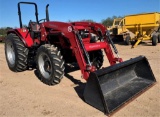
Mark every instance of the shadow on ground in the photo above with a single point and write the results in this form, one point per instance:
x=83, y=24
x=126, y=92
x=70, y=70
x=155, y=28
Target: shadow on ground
x=79, y=86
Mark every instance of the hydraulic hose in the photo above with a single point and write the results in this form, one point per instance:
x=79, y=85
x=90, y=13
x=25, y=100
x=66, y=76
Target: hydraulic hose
x=112, y=44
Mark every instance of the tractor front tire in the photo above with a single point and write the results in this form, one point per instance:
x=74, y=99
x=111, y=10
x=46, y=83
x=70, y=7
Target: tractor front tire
x=96, y=58
x=50, y=65
x=154, y=40
x=16, y=53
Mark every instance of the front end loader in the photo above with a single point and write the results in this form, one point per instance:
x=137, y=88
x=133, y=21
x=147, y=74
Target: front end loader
x=44, y=45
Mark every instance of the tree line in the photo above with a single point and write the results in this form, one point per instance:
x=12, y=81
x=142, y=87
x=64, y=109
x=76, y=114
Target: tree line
x=3, y=31
x=106, y=22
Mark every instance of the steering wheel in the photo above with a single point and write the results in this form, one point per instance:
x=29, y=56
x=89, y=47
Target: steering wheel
x=33, y=26
x=44, y=20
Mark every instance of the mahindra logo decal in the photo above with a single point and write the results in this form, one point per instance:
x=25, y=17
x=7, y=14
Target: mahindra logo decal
x=94, y=46
x=69, y=29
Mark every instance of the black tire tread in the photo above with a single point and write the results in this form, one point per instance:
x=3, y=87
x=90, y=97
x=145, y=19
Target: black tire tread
x=127, y=40
x=21, y=53
x=98, y=55
x=58, y=65
x=154, y=40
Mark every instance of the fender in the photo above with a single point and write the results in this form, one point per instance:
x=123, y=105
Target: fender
x=24, y=35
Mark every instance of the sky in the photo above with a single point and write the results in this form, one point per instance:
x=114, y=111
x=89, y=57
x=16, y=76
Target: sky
x=73, y=10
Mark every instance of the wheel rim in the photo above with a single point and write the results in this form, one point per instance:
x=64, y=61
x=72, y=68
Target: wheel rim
x=10, y=53
x=45, y=66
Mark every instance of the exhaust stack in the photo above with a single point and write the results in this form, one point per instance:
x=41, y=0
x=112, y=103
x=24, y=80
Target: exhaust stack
x=47, y=13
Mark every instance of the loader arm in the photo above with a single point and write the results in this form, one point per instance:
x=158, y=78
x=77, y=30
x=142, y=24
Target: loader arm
x=103, y=44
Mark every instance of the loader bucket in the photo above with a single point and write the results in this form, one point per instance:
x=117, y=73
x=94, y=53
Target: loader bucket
x=109, y=88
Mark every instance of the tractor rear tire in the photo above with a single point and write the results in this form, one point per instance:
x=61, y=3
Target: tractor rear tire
x=16, y=53
x=50, y=65
x=154, y=40
x=128, y=40
x=96, y=58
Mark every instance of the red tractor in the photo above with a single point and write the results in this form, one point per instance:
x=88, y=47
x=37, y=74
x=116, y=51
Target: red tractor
x=47, y=45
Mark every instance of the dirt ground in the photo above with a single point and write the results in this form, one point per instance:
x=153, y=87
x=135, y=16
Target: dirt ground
x=22, y=94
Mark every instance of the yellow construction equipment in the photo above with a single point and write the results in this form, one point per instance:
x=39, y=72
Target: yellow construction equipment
x=137, y=28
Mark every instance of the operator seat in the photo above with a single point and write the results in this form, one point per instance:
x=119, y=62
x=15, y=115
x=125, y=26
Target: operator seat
x=34, y=29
